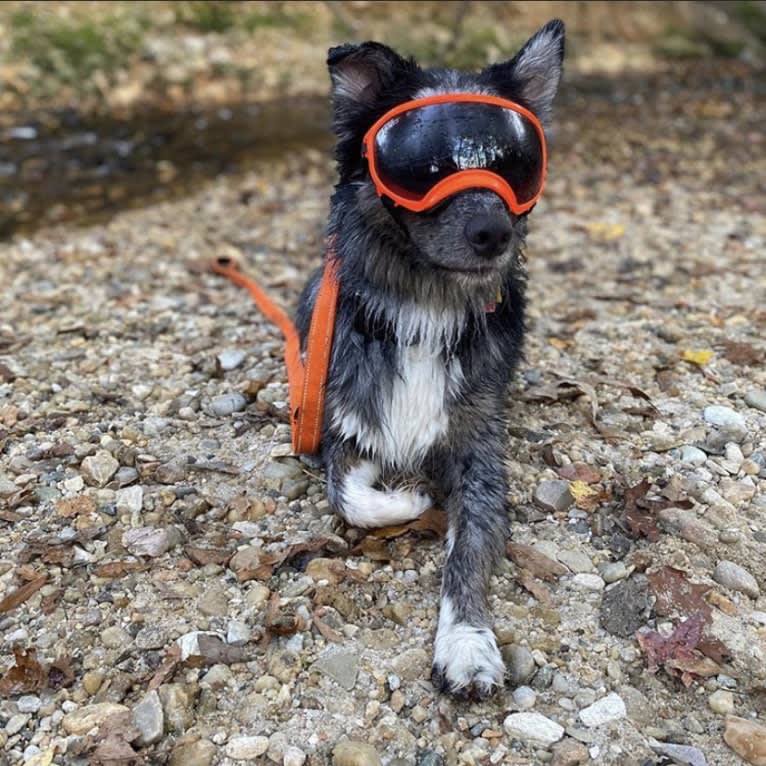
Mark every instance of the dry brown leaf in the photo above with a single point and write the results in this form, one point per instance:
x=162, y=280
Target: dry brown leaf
x=329, y=633
x=282, y=623
x=536, y=563
x=538, y=589
x=22, y=594
x=167, y=667
x=114, y=569
x=433, y=521
x=372, y=548
x=580, y=472
x=676, y=596
x=203, y=556
x=28, y=675
x=640, y=521
x=76, y=506
x=741, y=353
x=112, y=742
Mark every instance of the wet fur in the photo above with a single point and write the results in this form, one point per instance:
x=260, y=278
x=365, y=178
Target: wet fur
x=420, y=370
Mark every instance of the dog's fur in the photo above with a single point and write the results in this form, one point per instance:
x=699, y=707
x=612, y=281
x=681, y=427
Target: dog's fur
x=420, y=369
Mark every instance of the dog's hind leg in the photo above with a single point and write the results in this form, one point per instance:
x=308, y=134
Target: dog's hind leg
x=467, y=661
x=352, y=493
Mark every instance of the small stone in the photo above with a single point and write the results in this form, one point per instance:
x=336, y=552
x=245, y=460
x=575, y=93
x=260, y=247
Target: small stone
x=82, y=720
x=214, y=602
x=325, y=569
x=623, y=607
x=246, y=748
x=533, y=727
x=355, y=753
x=238, y=633
x=177, y=704
x=411, y=664
x=607, y=709
x=418, y=714
x=735, y=577
x=115, y=637
x=747, y=739
x=92, y=681
x=693, y=455
x=16, y=723
x=730, y=536
x=588, y=582
x=230, y=359
x=569, y=752
x=130, y=499
x=7, y=487
x=553, y=495
x=756, y=399
x=201, y=752
x=28, y=703
x=576, y=561
x=125, y=475
x=227, y=404
x=728, y=421
x=524, y=698
x=519, y=662
x=293, y=757
x=721, y=702
x=151, y=541
x=340, y=665
x=613, y=572
x=149, y=718
x=429, y=758
x=98, y=469
x=684, y=755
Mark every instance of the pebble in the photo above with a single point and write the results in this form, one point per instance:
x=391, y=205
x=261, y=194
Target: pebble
x=177, y=704
x=524, y=697
x=115, y=637
x=293, y=757
x=130, y=499
x=149, y=718
x=98, y=469
x=201, y=752
x=227, y=404
x=340, y=665
x=693, y=455
x=613, y=572
x=238, y=633
x=553, y=495
x=355, y=753
x=607, y=709
x=231, y=358
x=747, y=739
x=7, y=487
x=735, y=577
x=82, y=720
x=588, y=582
x=576, y=561
x=28, y=703
x=684, y=755
x=756, y=399
x=151, y=541
x=246, y=748
x=721, y=702
x=569, y=752
x=16, y=723
x=411, y=664
x=519, y=662
x=533, y=727
x=429, y=758
x=730, y=422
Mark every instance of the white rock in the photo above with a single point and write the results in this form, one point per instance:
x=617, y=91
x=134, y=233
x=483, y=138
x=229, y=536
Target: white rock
x=149, y=718
x=533, y=727
x=189, y=643
x=721, y=702
x=294, y=757
x=130, y=499
x=693, y=455
x=231, y=358
x=150, y=541
x=588, y=581
x=237, y=633
x=524, y=697
x=226, y=404
x=728, y=420
x=576, y=561
x=28, y=703
x=98, y=469
x=246, y=748
x=605, y=710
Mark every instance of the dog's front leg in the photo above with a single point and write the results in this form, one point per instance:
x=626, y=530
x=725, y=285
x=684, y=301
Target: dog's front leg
x=467, y=661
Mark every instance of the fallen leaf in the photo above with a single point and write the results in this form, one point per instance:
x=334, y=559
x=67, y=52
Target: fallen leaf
x=111, y=743
x=536, y=563
x=28, y=675
x=22, y=594
x=690, y=668
x=604, y=232
x=167, y=667
x=329, y=633
x=559, y=343
x=204, y=556
x=114, y=569
x=283, y=622
x=641, y=522
x=433, y=521
x=538, y=589
x=741, y=353
x=75, y=506
x=580, y=472
x=676, y=596
x=372, y=548
x=586, y=498
x=700, y=357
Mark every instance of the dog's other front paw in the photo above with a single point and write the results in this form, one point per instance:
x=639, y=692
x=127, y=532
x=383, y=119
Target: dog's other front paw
x=467, y=662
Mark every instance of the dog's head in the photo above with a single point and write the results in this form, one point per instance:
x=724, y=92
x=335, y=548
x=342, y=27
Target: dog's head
x=472, y=236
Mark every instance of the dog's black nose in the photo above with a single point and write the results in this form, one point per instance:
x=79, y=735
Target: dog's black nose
x=488, y=234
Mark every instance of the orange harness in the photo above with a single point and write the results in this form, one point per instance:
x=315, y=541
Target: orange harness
x=306, y=381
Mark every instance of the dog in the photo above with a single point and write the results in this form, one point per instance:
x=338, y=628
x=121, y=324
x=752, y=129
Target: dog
x=429, y=328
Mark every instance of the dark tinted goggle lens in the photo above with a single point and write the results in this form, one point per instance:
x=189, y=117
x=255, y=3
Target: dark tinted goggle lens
x=419, y=148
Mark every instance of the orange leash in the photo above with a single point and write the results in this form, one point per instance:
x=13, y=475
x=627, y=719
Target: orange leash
x=307, y=381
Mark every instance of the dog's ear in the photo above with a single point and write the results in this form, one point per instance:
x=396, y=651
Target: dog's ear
x=533, y=74
x=360, y=73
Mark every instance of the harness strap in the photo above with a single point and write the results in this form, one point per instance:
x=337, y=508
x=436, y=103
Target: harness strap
x=306, y=382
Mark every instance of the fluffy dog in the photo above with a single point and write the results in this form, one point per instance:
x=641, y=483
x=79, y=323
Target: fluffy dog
x=423, y=351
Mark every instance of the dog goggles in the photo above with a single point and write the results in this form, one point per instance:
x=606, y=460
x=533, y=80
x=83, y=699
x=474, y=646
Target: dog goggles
x=424, y=151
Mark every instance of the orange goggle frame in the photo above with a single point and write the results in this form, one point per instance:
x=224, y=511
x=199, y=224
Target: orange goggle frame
x=460, y=180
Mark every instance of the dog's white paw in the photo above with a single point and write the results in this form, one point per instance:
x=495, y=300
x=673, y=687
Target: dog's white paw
x=467, y=662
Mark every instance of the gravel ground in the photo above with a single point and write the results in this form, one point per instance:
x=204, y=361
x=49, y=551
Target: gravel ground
x=189, y=599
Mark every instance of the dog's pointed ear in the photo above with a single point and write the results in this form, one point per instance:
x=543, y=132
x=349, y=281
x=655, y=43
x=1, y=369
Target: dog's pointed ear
x=359, y=73
x=534, y=73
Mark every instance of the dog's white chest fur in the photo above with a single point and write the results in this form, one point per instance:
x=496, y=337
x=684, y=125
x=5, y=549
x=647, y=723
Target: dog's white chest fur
x=414, y=412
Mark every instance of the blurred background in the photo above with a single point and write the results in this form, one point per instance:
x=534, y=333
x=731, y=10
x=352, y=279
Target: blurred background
x=105, y=105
